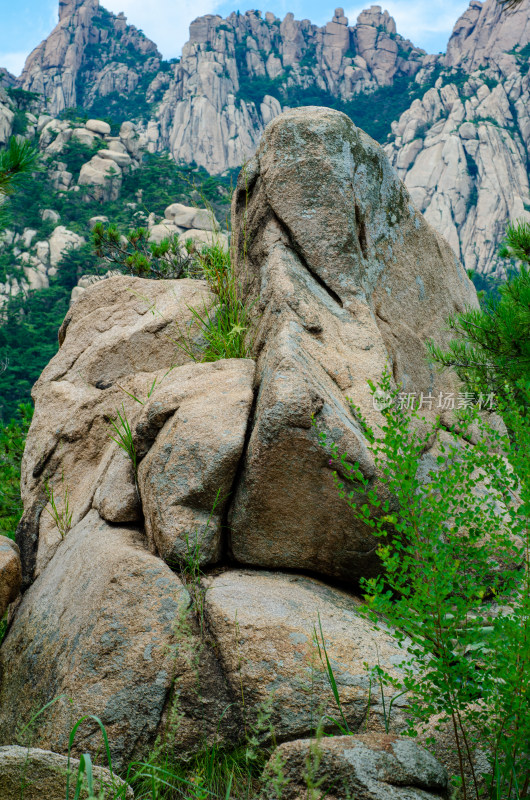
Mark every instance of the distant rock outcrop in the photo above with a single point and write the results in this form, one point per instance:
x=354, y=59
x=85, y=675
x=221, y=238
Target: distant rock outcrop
x=485, y=34
x=88, y=55
x=463, y=149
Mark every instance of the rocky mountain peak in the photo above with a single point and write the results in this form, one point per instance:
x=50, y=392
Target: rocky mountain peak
x=485, y=31
x=90, y=54
x=376, y=18
x=69, y=7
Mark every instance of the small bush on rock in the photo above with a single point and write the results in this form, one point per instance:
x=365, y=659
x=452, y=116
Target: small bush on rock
x=136, y=255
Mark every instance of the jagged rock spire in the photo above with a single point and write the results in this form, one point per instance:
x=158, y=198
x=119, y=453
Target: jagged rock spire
x=68, y=7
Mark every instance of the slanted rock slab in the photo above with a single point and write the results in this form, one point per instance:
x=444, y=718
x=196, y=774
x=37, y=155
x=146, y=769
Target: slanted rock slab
x=121, y=336
x=264, y=626
x=364, y=767
x=199, y=417
x=41, y=775
x=99, y=629
x=343, y=277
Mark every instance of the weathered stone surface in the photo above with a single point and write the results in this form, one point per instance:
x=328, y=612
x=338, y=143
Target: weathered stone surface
x=103, y=176
x=343, y=276
x=462, y=152
x=485, y=33
x=199, y=418
x=10, y=573
x=366, y=767
x=263, y=625
x=60, y=69
x=189, y=217
x=119, y=336
x=62, y=240
x=100, y=627
x=42, y=774
x=98, y=126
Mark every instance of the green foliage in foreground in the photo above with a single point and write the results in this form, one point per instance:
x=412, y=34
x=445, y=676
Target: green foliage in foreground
x=455, y=550
x=491, y=351
x=15, y=162
x=12, y=439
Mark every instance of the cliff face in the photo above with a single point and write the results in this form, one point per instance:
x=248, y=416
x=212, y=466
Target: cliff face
x=463, y=150
x=236, y=74
x=90, y=54
x=485, y=33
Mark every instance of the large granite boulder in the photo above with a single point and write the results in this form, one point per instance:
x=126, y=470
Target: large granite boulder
x=117, y=341
x=107, y=629
x=344, y=277
x=41, y=775
x=268, y=628
x=364, y=767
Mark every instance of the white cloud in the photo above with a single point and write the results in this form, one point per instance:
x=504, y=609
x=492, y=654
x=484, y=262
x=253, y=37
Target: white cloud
x=428, y=25
x=164, y=21
x=14, y=62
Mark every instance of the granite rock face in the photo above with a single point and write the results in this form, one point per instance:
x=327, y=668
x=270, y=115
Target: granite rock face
x=344, y=276
x=266, y=625
x=10, y=573
x=88, y=48
x=113, y=347
x=199, y=418
x=462, y=149
x=365, y=766
x=99, y=629
x=43, y=775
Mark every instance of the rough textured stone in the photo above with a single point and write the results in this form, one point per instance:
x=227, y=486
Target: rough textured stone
x=119, y=336
x=263, y=625
x=98, y=126
x=62, y=240
x=10, y=573
x=106, y=626
x=485, y=33
x=462, y=152
x=199, y=418
x=366, y=767
x=59, y=69
x=42, y=774
x=103, y=176
x=343, y=277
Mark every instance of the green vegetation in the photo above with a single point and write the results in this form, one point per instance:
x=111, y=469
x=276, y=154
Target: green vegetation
x=136, y=255
x=491, y=351
x=12, y=439
x=455, y=582
x=223, y=327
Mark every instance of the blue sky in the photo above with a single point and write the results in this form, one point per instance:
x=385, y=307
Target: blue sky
x=25, y=23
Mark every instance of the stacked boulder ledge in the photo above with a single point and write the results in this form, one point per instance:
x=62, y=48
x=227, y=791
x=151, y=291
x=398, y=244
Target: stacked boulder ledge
x=343, y=277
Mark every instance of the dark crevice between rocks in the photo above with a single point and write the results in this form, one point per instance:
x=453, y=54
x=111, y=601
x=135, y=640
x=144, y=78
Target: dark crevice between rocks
x=295, y=247
x=226, y=531
x=361, y=228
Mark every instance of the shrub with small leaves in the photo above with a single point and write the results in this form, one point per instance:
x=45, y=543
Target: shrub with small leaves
x=136, y=255
x=454, y=546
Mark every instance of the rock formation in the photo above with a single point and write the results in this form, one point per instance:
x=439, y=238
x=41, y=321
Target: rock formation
x=332, y=260
x=43, y=775
x=462, y=151
x=88, y=55
x=364, y=767
x=343, y=276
